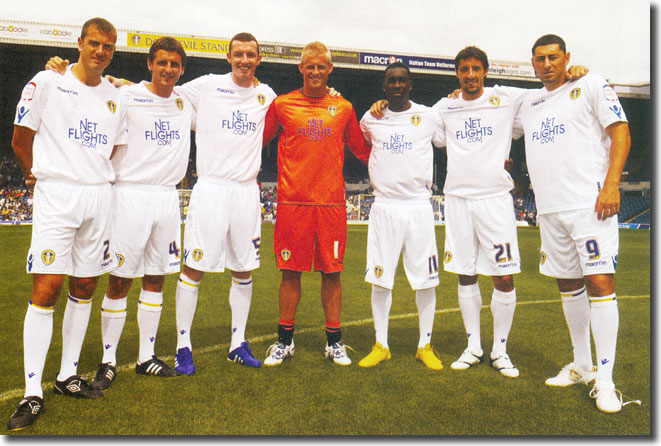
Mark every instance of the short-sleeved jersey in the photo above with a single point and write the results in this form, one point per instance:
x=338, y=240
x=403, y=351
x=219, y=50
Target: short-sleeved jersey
x=311, y=146
x=155, y=143
x=402, y=158
x=567, y=148
x=478, y=134
x=229, y=126
x=77, y=127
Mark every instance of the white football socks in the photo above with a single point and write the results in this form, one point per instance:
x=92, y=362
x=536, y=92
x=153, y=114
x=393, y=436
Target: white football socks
x=37, y=334
x=426, y=303
x=576, y=308
x=113, y=317
x=502, y=309
x=186, y=303
x=605, y=321
x=240, y=298
x=150, y=305
x=470, y=304
x=381, y=303
x=74, y=326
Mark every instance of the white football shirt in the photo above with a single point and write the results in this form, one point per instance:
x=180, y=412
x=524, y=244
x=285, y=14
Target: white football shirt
x=402, y=159
x=229, y=127
x=567, y=148
x=77, y=127
x=478, y=134
x=156, y=141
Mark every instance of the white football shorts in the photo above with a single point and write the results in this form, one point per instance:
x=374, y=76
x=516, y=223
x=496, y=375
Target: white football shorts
x=71, y=229
x=406, y=228
x=146, y=229
x=480, y=236
x=575, y=244
x=223, y=226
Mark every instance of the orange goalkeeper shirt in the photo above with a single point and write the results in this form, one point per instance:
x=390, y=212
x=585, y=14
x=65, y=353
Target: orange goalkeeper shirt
x=311, y=146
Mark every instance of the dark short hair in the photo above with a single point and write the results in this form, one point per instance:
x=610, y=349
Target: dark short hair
x=167, y=44
x=243, y=37
x=549, y=39
x=103, y=25
x=467, y=53
x=397, y=65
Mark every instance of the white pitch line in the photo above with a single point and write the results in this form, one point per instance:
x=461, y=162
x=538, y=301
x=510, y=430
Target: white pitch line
x=18, y=393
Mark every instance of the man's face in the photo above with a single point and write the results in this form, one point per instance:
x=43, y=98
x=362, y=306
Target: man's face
x=244, y=58
x=471, y=75
x=315, y=70
x=550, y=64
x=166, y=68
x=397, y=85
x=97, y=49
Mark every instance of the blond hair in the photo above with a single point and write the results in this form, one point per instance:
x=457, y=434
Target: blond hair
x=315, y=49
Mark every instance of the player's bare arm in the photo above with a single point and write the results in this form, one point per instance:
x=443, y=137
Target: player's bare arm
x=608, y=200
x=22, y=145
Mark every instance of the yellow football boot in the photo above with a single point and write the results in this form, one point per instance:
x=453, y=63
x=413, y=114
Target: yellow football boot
x=429, y=357
x=377, y=355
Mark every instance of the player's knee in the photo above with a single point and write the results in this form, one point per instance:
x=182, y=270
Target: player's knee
x=46, y=289
x=568, y=285
x=118, y=287
x=153, y=283
x=241, y=275
x=467, y=280
x=504, y=284
x=82, y=287
x=600, y=284
x=193, y=274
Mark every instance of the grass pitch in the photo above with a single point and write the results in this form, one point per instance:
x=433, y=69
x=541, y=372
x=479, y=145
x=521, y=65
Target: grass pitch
x=308, y=395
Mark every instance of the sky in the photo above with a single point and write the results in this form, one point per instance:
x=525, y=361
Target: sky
x=610, y=37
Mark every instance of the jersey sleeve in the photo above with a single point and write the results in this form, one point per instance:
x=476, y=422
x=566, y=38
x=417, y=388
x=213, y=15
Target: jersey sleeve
x=364, y=127
x=517, y=125
x=271, y=124
x=605, y=102
x=192, y=90
x=33, y=101
x=355, y=139
x=123, y=131
x=438, y=139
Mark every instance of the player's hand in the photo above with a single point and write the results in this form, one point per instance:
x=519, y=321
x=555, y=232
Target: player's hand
x=509, y=163
x=455, y=94
x=117, y=81
x=608, y=202
x=333, y=93
x=57, y=64
x=30, y=181
x=377, y=108
x=576, y=72
x=255, y=81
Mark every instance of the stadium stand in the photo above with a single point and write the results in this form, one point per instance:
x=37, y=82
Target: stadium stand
x=632, y=205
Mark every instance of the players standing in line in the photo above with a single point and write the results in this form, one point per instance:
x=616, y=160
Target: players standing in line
x=64, y=133
x=310, y=231
x=146, y=227
x=480, y=235
x=577, y=143
x=223, y=222
x=402, y=218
